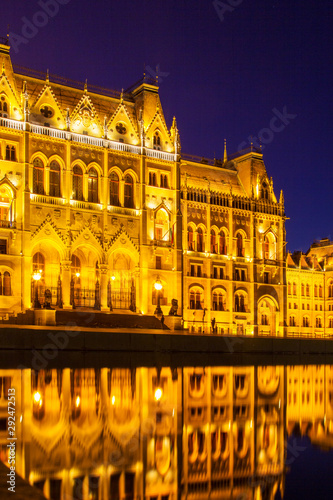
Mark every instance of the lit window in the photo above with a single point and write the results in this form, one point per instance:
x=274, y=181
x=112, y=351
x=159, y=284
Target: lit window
x=38, y=176
x=92, y=185
x=77, y=183
x=54, y=179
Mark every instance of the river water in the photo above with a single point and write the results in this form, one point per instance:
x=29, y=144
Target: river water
x=162, y=433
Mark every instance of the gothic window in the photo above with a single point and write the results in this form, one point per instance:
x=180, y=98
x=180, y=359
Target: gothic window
x=38, y=176
x=77, y=183
x=128, y=192
x=162, y=225
x=5, y=283
x=3, y=107
x=164, y=181
x=302, y=289
x=307, y=290
x=152, y=179
x=330, y=289
x=266, y=248
x=264, y=191
x=76, y=268
x=10, y=153
x=318, y=322
x=54, y=179
x=292, y=321
x=240, y=303
x=92, y=185
x=6, y=204
x=200, y=241
x=196, y=301
x=222, y=243
x=330, y=323
x=240, y=249
x=213, y=242
x=320, y=291
x=38, y=264
x=264, y=319
x=316, y=291
x=114, y=189
x=294, y=289
x=289, y=288
x=305, y=321
x=190, y=239
x=157, y=141
x=218, y=301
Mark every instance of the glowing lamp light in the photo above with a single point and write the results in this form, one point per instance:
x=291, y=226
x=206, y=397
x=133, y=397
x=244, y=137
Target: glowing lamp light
x=113, y=400
x=37, y=397
x=77, y=275
x=158, y=285
x=158, y=394
x=37, y=275
x=113, y=277
x=77, y=401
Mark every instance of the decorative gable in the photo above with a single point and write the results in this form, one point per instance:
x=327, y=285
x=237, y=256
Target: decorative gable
x=121, y=126
x=122, y=240
x=157, y=134
x=46, y=109
x=84, y=118
x=9, y=103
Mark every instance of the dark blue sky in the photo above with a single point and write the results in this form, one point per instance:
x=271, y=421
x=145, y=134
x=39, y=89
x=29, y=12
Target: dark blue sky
x=225, y=67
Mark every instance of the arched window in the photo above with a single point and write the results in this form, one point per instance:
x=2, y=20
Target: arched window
x=239, y=303
x=152, y=179
x=320, y=291
x=218, y=301
x=162, y=225
x=38, y=264
x=190, y=239
x=3, y=107
x=294, y=289
x=330, y=289
x=114, y=189
x=54, y=179
x=38, y=176
x=164, y=181
x=302, y=289
x=128, y=192
x=5, y=283
x=264, y=191
x=157, y=141
x=316, y=291
x=266, y=248
x=292, y=321
x=76, y=268
x=196, y=300
x=330, y=323
x=269, y=246
x=213, y=242
x=307, y=290
x=222, y=243
x=264, y=320
x=200, y=240
x=6, y=204
x=318, y=322
x=10, y=153
x=305, y=321
x=289, y=288
x=92, y=185
x=77, y=183
x=240, y=249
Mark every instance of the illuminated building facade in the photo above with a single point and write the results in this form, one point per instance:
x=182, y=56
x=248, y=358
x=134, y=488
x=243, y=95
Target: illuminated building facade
x=310, y=291
x=98, y=207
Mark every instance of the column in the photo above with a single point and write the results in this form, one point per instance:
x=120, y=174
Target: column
x=103, y=287
x=66, y=283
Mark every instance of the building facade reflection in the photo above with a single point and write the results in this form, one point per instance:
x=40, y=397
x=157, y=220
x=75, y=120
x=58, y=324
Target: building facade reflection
x=163, y=434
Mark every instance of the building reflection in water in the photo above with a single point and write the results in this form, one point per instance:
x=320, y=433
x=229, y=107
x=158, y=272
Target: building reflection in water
x=163, y=434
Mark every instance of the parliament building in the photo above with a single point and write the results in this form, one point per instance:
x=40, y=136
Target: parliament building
x=101, y=209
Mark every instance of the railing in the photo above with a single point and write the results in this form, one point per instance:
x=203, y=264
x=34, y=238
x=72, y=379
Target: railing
x=122, y=210
x=7, y=224
x=86, y=139
x=86, y=205
x=51, y=200
x=160, y=155
x=9, y=123
x=51, y=132
x=121, y=146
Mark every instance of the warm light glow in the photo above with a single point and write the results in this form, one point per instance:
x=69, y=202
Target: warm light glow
x=77, y=401
x=158, y=394
x=77, y=275
x=113, y=277
x=113, y=400
x=158, y=285
x=37, y=397
x=37, y=275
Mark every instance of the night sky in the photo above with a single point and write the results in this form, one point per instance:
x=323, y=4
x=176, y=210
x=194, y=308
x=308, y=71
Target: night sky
x=227, y=69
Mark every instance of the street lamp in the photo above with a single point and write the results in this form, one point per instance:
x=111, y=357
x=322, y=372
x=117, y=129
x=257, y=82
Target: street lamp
x=158, y=287
x=36, y=277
